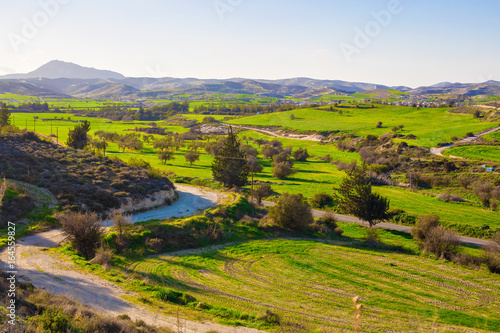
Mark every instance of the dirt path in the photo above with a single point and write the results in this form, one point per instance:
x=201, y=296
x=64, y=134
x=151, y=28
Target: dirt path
x=439, y=150
x=314, y=137
x=47, y=271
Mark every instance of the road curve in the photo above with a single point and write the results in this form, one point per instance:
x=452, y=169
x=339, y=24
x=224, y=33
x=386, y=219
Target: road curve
x=46, y=270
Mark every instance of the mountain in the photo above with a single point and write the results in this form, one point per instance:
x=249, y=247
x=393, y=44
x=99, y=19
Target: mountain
x=467, y=89
x=60, y=69
x=59, y=78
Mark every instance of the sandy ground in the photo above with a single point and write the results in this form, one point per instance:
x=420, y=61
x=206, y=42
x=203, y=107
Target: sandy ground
x=36, y=265
x=314, y=137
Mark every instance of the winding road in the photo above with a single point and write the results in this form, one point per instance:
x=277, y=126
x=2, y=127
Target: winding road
x=46, y=270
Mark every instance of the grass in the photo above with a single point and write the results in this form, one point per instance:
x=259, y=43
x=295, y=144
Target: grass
x=311, y=284
x=314, y=176
x=479, y=152
x=439, y=126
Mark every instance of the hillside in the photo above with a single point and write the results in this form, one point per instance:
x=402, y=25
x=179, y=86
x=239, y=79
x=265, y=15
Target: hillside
x=78, y=179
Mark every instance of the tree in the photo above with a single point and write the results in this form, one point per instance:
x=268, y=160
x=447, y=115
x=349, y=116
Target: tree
x=83, y=230
x=301, y=155
x=291, y=212
x=165, y=155
x=230, y=165
x=262, y=191
x=283, y=166
x=292, y=116
x=379, y=125
x=192, y=156
x=355, y=197
x=77, y=137
x=4, y=116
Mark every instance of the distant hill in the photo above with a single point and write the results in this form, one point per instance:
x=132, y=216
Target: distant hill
x=59, y=78
x=28, y=89
x=59, y=69
x=468, y=89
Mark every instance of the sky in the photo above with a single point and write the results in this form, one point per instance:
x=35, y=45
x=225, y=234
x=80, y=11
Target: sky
x=392, y=42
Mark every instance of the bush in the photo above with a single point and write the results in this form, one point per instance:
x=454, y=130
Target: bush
x=53, y=320
x=291, y=212
x=441, y=241
x=421, y=229
x=321, y=200
x=372, y=236
x=83, y=230
x=301, y=155
x=282, y=170
x=262, y=191
x=492, y=254
x=434, y=238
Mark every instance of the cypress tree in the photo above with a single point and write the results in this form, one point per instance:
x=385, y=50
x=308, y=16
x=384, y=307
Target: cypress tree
x=230, y=166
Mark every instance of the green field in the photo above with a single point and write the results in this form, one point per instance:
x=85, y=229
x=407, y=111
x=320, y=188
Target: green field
x=314, y=176
x=479, y=152
x=310, y=285
x=439, y=125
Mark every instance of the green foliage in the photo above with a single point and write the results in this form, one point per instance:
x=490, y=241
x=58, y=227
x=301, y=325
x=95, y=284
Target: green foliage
x=261, y=192
x=230, y=166
x=291, y=212
x=300, y=154
x=321, y=200
x=77, y=137
x=4, y=116
x=83, y=230
x=53, y=320
x=355, y=197
x=192, y=156
x=173, y=296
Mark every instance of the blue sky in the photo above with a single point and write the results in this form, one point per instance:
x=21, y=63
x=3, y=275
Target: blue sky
x=405, y=42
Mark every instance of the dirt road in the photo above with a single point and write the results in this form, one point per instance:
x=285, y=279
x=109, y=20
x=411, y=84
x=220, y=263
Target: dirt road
x=47, y=271
x=439, y=150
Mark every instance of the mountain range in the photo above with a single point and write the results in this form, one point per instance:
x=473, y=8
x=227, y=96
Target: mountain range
x=58, y=79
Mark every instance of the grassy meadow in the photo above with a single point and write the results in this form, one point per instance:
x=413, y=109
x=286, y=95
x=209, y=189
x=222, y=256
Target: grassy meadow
x=314, y=176
x=439, y=125
x=478, y=152
x=310, y=285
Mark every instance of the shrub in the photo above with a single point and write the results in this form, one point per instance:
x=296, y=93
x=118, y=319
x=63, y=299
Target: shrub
x=492, y=254
x=301, y=155
x=434, y=238
x=103, y=257
x=421, y=229
x=321, y=200
x=372, y=235
x=441, y=241
x=83, y=230
x=261, y=192
x=282, y=170
x=53, y=320
x=271, y=318
x=291, y=212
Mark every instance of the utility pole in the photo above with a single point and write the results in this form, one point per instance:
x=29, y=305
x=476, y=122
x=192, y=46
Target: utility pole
x=57, y=135
x=34, y=125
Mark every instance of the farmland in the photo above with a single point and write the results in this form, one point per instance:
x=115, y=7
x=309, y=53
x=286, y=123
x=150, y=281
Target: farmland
x=314, y=176
x=310, y=285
